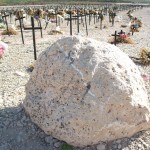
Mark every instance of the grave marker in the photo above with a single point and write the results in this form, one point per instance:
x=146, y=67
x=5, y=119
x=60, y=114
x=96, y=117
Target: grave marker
x=33, y=28
x=121, y=32
x=70, y=19
x=115, y=35
x=101, y=16
x=78, y=21
x=86, y=23
x=5, y=16
x=20, y=22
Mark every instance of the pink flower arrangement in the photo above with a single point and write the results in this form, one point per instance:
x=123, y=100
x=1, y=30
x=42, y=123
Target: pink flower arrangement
x=3, y=47
x=123, y=36
x=1, y=52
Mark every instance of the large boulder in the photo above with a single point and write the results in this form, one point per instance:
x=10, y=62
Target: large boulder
x=83, y=91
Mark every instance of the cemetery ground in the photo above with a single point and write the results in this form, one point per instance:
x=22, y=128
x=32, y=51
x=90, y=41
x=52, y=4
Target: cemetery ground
x=17, y=132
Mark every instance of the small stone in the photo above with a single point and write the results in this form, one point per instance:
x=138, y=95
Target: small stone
x=57, y=144
x=42, y=134
x=139, y=145
x=18, y=73
x=23, y=118
x=19, y=124
x=115, y=146
x=20, y=137
x=55, y=140
x=4, y=147
x=6, y=123
x=48, y=139
x=118, y=141
x=119, y=146
x=101, y=147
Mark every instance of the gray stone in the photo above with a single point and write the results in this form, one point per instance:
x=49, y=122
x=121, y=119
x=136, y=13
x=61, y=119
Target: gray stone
x=19, y=124
x=4, y=147
x=57, y=144
x=119, y=146
x=84, y=91
x=101, y=147
x=6, y=122
x=42, y=134
x=48, y=139
x=118, y=141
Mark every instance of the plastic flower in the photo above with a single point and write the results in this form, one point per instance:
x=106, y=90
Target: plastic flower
x=3, y=47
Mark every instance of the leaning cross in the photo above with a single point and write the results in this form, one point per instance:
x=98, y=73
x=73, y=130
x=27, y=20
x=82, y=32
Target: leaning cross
x=20, y=22
x=5, y=16
x=33, y=28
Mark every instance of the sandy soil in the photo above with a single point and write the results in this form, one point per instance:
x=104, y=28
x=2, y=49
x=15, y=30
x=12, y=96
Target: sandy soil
x=17, y=132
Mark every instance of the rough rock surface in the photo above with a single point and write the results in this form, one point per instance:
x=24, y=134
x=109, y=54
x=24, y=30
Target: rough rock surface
x=83, y=91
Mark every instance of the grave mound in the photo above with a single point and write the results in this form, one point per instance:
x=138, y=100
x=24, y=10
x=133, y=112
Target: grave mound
x=83, y=91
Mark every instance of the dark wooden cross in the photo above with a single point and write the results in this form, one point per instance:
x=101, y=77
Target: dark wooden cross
x=121, y=32
x=33, y=28
x=78, y=30
x=115, y=35
x=20, y=22
x=101, y=16
x=85, y=23
x=56, y=17
x=113, y=18
x=89, y=18
x=94, y=18
x=70, y=23
x=5, y=16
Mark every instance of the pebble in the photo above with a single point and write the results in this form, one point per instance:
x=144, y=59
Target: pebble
x=101, y=147
x=4, y=147
x=119, y=146
x=118, y=141
x=48, y=139
x=42, y=134
x=20, y=137
x=19, y=124
x=6, y=123
x=57, y=144
x=19, y=73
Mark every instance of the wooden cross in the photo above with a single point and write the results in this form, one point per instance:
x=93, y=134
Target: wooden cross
x=115, y=37
x=94, y=18
x=56, y=15
x=33, y=28
x=78, y=21
x=5, y=16
x=70, y=23
x=20, y=22
x=89, y=18
x=101, y=20
x=121, y=32
x=113, y=18
x=85, y=23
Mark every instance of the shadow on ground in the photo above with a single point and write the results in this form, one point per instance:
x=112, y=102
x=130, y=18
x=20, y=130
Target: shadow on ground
x=17, y=132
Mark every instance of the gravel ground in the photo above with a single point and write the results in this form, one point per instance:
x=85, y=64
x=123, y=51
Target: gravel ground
x=17, y=132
